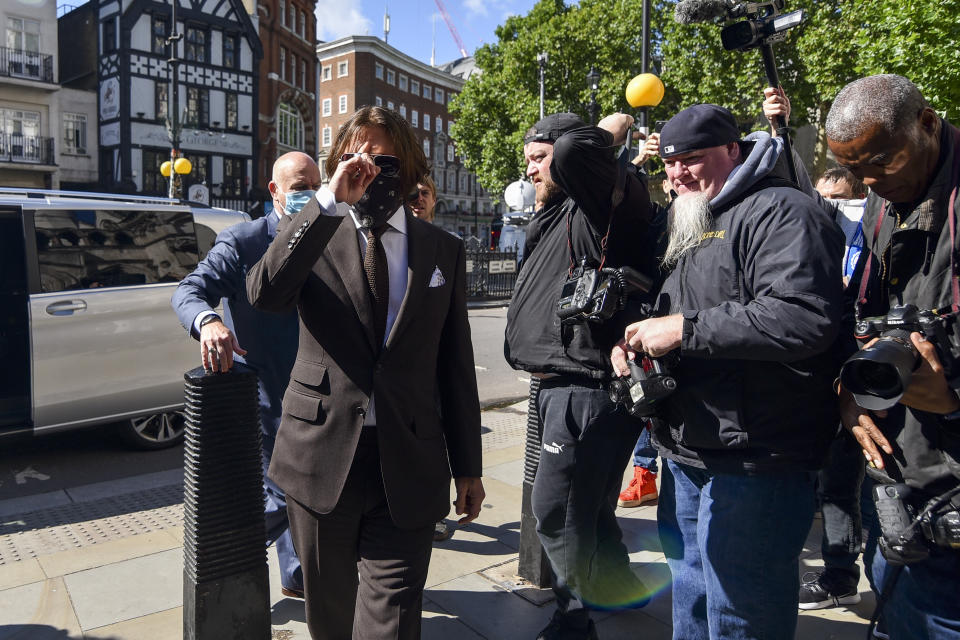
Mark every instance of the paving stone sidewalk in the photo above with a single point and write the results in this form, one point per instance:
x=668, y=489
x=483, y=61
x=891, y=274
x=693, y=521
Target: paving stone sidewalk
x=106, y=561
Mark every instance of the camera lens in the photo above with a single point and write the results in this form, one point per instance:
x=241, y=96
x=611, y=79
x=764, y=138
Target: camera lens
x=878, y=375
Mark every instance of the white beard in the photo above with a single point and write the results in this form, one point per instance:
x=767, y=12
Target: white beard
x=691, y=218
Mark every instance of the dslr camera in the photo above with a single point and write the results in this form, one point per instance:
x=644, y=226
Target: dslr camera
x=878, y=375
x=906, y=535
x=594, y=295
x=648, y=382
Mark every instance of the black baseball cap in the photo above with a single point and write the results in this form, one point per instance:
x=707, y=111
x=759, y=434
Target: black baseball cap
x=698, y=127
x=551, y=127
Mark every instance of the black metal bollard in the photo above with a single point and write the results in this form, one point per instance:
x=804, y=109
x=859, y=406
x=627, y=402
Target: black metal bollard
x=225, y=580
x=534, y=567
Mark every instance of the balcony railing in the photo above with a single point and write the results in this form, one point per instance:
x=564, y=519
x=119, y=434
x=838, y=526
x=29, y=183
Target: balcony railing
x=15, y=147
x=16, y=63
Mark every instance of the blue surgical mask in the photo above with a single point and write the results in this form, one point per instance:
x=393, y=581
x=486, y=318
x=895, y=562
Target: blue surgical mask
x=296, y=200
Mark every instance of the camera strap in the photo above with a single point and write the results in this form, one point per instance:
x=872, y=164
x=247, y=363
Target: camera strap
x=951, y=220
x=616, y=198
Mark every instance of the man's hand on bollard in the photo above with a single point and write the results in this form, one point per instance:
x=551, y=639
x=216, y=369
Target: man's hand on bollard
x=217, y=345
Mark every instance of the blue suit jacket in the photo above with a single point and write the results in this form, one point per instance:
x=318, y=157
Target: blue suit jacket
x=270, y=339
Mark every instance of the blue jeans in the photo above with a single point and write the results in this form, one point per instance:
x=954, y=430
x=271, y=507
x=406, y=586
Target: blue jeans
x=732, y=543
x=924, y=603
x=645, y=454
x=839, y=493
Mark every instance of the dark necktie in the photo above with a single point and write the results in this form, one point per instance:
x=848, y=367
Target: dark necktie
x=378, y=280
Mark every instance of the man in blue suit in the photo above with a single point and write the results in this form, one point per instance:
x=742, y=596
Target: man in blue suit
x=269, y=340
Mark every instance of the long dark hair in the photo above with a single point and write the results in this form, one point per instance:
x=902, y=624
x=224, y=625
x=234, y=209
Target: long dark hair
x=413, y=162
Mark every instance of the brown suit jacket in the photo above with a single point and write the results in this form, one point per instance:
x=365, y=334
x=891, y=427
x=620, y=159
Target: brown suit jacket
x=315, y=264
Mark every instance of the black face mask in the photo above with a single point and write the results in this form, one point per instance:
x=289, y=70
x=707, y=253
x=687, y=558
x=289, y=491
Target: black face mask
x=383, y=197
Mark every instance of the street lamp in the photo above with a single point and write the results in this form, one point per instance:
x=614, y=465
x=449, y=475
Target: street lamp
x=542, y=63
x=173, y=124
x=593, y=83
x=180, y=167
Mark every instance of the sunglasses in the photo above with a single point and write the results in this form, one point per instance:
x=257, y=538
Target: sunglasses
x=389, y=165
x=416, y=195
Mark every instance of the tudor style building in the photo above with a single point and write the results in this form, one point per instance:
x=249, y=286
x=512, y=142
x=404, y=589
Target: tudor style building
x=218, y=55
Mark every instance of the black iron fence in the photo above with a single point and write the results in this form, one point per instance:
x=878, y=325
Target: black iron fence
x=491, y=274
x=29, y=65
x=15, y=147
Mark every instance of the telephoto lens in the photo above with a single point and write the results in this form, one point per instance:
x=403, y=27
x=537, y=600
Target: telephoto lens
x=878, y=375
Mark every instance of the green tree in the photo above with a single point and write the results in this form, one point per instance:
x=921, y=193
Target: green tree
x=839, y=40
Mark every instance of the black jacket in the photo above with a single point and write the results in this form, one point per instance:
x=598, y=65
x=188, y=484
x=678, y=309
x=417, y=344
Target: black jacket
x=914, y=240
x=761, y=300
x=584, y=167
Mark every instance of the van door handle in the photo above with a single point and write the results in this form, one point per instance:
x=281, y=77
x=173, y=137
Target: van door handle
x=65, y=308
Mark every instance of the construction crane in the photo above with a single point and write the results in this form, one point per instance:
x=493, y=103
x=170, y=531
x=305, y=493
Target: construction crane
x=453, y=29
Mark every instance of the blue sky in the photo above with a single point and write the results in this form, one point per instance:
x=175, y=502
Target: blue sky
x=412, y=23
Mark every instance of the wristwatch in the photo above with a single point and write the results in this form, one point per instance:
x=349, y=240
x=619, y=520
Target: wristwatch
x=210, y=318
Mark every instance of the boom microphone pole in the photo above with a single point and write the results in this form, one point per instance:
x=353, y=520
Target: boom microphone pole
x=763, y=27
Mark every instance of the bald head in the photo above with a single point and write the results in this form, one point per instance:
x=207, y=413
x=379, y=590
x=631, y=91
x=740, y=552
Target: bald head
x=294, y=171
x=887, y=101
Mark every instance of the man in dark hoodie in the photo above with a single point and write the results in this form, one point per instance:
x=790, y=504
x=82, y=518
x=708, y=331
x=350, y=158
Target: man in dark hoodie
x=751, y=307
x=882, y=129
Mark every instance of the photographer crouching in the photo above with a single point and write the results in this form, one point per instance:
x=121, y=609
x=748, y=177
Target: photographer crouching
x=898, y=395
x=564, y=317
x=749, y=311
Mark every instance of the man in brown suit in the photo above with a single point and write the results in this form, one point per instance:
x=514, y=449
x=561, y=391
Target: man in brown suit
x=382, y=403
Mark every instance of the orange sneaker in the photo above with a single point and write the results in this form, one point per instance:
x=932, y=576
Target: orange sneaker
x=642, y=488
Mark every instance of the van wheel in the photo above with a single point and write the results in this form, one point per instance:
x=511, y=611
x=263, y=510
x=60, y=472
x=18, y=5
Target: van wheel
x=157, y=431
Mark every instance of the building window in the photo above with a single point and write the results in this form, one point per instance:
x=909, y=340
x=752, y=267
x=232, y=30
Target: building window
x=231, y=50
x=403, y=111
x=232, y=186
x=326, y=107
x=378, y=71
x=343, y=68
x=303, y=74
x=74, y=133
x=233, y=111
x=161, y=100
x=426, y=91
x=200, y=172
x=196, y=47
x=438, y=95
x=414, y=118
x=378, y=101
x=391, y=76
x=439, y=123
x=451, y=180
x=292, y=77
x=403, y=82
x=153, y=181
x=289, y=127
x=303, y=25
x=390, y=104
x=282, y=12
x=109, y=34
x=449, y=153
x=426, y=147
x=426, y=121
x=449, y=127
x=24, y=35
x=325, y=73
x=198, y=106
x=283, y=63
x=327, y=136
x=342, y=103
x=292, y=21
x=160, y=29
x=415, y=87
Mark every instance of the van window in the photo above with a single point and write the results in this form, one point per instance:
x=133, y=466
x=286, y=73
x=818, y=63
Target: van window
x=89, y=249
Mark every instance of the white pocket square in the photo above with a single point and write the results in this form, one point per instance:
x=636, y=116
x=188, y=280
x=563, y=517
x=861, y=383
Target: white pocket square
x=437, y=279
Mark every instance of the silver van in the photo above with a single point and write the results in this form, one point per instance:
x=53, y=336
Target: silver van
x=87, y=334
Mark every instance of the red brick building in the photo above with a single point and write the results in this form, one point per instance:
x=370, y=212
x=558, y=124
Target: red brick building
x=363, y=70
x=288, y=82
